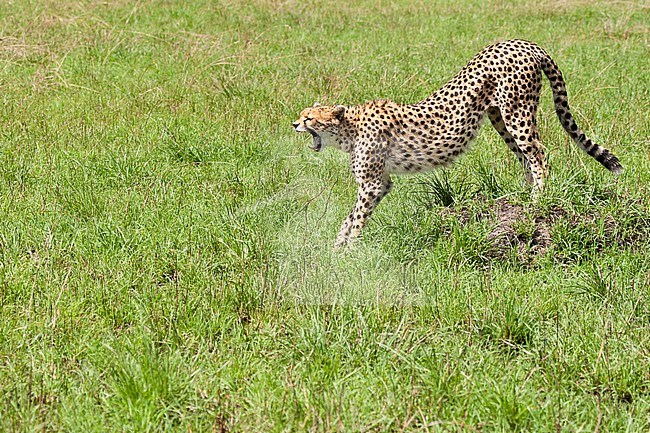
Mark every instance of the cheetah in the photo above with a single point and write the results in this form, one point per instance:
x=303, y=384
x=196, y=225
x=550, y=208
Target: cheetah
x=503, y=81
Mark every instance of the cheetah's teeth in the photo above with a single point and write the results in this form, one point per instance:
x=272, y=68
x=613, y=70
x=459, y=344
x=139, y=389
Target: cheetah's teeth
x=318, y=144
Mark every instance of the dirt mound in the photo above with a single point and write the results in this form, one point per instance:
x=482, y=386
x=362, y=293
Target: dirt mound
x=517, y=231
x=526, y=234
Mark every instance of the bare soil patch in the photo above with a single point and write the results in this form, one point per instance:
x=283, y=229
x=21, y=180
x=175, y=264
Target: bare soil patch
x=528, y=236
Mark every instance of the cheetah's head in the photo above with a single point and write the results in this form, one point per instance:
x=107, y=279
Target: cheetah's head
x=323, y=123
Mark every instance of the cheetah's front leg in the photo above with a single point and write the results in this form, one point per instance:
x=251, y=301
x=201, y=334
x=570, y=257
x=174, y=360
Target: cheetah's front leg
x=344, y=233
x=369, y=195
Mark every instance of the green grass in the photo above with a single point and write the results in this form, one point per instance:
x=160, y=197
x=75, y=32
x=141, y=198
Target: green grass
x=165, y=237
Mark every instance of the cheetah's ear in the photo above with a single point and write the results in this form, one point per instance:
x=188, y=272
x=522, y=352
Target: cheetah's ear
x=316, y=104
x=338, y=111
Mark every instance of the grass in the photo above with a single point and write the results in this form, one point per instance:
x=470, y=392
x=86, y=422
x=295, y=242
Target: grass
x=165, y=238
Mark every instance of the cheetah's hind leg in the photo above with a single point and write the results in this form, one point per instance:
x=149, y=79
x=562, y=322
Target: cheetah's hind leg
x=494, y=114
x=519, y=131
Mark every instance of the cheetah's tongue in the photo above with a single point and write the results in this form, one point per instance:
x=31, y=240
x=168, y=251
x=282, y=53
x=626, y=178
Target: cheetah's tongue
x=318, y=145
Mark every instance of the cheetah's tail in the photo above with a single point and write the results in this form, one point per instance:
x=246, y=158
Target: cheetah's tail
x=599, y=153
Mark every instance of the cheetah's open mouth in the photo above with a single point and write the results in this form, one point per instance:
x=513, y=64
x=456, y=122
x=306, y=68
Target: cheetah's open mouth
x=318, y=144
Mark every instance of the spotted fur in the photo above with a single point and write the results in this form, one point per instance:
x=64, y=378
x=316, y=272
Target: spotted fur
x=503, y=81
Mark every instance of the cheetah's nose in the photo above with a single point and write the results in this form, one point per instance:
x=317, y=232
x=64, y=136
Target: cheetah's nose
x=295, y=125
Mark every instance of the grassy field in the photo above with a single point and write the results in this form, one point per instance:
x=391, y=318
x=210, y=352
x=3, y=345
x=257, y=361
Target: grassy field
x=165, y=237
